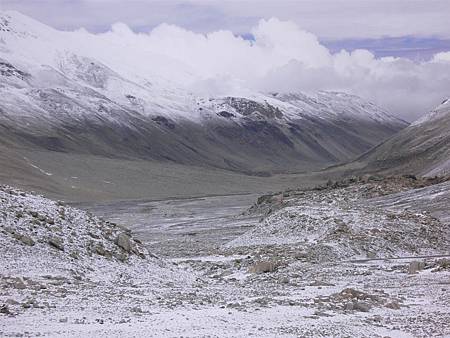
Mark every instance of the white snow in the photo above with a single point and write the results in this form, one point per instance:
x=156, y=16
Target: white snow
x=36, y=167
x=46, y=291
x=131, y=74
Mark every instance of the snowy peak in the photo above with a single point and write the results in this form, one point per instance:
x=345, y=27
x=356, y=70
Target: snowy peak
x=113, y=95
x=337, y=104
x=15, y=24
x=118, y=65
x=289, y=106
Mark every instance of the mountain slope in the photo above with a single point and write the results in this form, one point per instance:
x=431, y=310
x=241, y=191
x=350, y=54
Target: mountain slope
x=59, y=95
x=422, y=148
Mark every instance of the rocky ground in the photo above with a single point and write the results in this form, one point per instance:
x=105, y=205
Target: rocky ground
x=360, y=257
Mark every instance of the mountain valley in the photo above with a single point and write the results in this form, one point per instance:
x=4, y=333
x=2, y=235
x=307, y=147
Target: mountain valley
x=139, y=198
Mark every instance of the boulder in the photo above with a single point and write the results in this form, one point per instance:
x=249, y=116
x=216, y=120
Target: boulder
x=361, y=306
x=57, y=243
x=27, y=240
x=123, y=240
x=263, y=267
x=17, y=283
x=415, y=266
x=394, y=305
x=5, y=310
x=100, y=250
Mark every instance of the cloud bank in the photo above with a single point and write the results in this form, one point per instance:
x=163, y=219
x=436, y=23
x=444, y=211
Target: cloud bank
x=283, y=57
x=331, y=19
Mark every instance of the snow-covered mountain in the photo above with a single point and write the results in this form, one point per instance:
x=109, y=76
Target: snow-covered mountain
x=421, y=148
x=76, y=92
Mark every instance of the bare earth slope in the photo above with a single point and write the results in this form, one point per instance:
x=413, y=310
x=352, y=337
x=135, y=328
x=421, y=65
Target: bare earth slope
x=421, y=148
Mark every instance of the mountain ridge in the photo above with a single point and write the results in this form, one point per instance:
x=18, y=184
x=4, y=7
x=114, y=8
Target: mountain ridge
x=59, y=96
x=422, y=148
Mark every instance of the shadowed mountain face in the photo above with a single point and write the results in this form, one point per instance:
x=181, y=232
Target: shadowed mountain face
x=422, y=148
x=56, y=99
x=257, y=137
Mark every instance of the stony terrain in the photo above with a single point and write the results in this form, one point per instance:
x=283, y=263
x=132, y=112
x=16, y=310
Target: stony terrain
x=57, y=261
x=338, y=221
x=335, y=260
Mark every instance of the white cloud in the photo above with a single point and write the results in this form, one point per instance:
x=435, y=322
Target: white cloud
x=285, y=58
x=443, y=56
x=282, y=57
x=331, y=19
x=343, y=19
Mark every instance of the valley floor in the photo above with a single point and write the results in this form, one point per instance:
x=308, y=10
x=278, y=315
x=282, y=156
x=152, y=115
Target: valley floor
x=293, y=265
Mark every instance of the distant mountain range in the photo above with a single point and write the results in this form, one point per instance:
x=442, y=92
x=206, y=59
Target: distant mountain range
x=59, y=95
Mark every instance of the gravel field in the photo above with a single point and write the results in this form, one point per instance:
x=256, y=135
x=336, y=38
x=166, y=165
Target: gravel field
x=337, y=260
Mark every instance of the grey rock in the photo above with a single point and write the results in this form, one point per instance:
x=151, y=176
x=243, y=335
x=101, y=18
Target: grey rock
x=75, y=254
x=393, y=305
x=321, y=283
x=415, y=267
x=27, y=240
x=283, y=280
x=348, y=307
x=262, y=267
x=17, y=283
x=57, y=243
x=137, y=252
x=100, y=250
x=121, y=256
x=93, y=235
x=301, y=255
x=123, y=240
x=361, y=306
x=4, y=309
x=31, y=302
x=442, y=264
x=11, y=301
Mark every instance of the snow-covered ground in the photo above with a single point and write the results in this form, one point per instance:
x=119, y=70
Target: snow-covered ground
x=91, y=284
x=340, y=223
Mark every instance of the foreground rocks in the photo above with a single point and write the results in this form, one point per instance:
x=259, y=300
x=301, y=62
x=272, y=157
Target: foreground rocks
x=415, y=267
x=299, y=277
x=123, y=240
x=341, y=222
x=262, y=267
x=37, y=222
x=51, y=252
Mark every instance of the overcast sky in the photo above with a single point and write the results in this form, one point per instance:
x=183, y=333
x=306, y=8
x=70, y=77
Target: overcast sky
x=411, y=28
x=397, y=52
